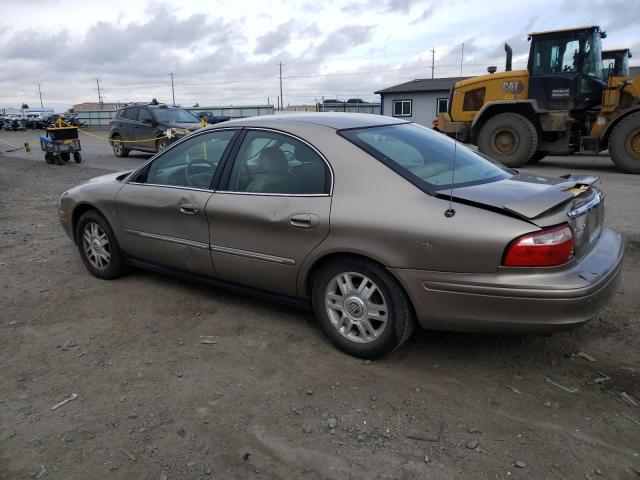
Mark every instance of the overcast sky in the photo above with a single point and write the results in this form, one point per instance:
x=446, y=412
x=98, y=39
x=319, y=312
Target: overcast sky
x=227, y=52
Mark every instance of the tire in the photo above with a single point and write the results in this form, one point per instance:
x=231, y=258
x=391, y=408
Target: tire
x=537, y=157
x=77, y=157
x=66, y=156
x=107, y=261
x=385, y=332
x=119, y=150
x=624, y=144
x=161, y=144
x=48, y=157
x=508, y=138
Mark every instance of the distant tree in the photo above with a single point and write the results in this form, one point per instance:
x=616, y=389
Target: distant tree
x=154, y=101
x=24, y=106
x=196, y=105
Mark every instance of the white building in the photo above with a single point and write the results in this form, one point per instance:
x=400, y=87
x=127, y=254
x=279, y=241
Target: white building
x=419, y=100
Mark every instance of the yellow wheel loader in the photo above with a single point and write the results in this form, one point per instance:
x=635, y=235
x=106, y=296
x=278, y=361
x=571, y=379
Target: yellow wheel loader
x=559, y=105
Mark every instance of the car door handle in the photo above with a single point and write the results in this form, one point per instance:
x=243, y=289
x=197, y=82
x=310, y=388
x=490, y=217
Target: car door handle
x=189, y=208
x=304, y=220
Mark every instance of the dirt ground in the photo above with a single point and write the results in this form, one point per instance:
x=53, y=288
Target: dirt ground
x=268, y=397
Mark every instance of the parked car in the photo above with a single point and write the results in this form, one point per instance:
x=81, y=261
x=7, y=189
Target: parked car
x=362, y=218
x=147, y=121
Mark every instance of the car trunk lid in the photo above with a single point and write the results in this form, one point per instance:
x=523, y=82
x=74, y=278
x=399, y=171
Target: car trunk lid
x=543, y=201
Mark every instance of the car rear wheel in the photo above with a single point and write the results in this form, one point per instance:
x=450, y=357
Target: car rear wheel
x=361, y=308
x=119, y=149
x=624, y=144
x=509, y=138
x=98, y=247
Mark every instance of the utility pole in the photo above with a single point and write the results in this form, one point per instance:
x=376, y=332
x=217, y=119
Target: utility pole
x=433, y=60
x=99, y=96
x=173, y=93
x=281, y=97
x=40, y=93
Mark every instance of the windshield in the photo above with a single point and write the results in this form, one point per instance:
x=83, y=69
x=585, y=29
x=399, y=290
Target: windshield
x=568, y=54
x=174, y=115
x=425, y=157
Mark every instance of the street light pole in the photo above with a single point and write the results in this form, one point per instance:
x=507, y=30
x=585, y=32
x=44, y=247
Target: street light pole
x=173, y=93
x=40, y=93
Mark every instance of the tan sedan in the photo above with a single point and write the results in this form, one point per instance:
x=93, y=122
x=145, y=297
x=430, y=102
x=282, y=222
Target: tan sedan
x=374, y=222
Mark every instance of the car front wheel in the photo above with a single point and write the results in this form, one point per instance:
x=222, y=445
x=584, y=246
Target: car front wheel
x=98, y=247
x=361, y=308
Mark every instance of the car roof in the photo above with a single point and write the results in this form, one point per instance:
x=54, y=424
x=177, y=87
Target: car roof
x=335, y=120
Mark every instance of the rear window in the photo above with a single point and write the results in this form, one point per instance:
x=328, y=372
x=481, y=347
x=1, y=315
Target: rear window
x=425, y=157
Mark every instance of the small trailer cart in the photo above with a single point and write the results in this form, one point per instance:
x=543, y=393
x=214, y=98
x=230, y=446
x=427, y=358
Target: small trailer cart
x=60, y=143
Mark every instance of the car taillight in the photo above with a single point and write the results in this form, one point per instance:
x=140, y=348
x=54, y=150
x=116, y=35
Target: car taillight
x=546, y=248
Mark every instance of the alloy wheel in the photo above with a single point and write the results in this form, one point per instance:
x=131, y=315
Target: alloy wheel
x=96, y=246
x=356, y=307
x=117, y=146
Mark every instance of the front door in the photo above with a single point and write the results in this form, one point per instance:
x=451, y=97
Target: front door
x=271, y=211
x=162, y=209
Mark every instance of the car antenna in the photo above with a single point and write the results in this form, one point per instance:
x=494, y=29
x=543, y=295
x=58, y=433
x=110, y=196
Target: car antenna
x=450, y=212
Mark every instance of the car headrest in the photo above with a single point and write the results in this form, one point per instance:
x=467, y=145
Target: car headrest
x=273, y=160
x=304, y=154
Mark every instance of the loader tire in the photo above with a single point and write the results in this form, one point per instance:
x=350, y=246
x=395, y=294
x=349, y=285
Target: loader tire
x=624, y=144
x=508, y=138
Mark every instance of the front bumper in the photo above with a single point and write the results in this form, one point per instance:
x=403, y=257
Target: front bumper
x=518, y=300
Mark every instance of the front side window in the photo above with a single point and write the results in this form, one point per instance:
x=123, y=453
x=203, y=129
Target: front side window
x=424, y=157
x=192, y=163
x=144, y=115
x=402, y=108
x=273, y=163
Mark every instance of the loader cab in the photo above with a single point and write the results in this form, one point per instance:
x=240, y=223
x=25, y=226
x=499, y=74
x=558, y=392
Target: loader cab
x=565, y=68
x=615, y=63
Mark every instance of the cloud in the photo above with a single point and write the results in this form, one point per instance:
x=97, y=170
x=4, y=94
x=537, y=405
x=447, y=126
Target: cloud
x=343, y=39
x=274, y=40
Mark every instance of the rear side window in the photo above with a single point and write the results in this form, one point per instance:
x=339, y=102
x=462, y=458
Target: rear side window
x=425, y=157
x=130, y=113
x=272, y=163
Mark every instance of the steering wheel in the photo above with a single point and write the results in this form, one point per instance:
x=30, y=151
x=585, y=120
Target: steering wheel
x=199, y=162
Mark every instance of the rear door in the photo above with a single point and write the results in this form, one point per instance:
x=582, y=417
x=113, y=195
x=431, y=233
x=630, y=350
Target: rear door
x=162, y=209
x=271, y=211
x=129, y=123
x=145, y=130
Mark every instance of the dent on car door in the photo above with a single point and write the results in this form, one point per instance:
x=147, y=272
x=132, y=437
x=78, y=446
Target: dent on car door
x=271, y=211
x=162, y=209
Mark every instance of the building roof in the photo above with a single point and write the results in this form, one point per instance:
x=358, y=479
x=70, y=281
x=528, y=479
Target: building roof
x=423, y=85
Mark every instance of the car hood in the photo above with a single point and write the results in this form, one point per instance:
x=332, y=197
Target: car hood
x=186, y=126
x=528, y=196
